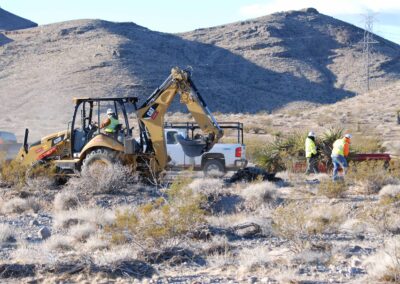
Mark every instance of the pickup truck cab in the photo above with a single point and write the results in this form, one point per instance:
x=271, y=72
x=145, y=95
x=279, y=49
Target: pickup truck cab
x=221, y=158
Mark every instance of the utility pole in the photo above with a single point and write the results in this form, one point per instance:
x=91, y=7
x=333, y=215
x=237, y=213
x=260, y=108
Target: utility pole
x=368, y=40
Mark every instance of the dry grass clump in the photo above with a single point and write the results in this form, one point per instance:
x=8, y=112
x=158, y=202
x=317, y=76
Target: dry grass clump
x=166, y=218
x=356, y=227
x=59, y=243
x=207, y=186
x=332, y=189
x=16, y=174
x=13, y=173
x=108, y=179
x=33, y=253
x=116, y=254
x=66, y=200
x=80, y=233
x=383, y=217
x=259, y=194
x=322, y=218
x=253, y=259
x=82, y=215
x=6, y=234
x=298, y=220
x=390, y=194
x=385, y=265
x=370, y=176
x=95, y=242
x=19, y=205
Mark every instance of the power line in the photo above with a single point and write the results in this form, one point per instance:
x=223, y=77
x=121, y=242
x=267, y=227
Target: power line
x=368, y=40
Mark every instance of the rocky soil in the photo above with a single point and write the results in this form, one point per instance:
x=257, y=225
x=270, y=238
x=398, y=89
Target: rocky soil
x=259, y=232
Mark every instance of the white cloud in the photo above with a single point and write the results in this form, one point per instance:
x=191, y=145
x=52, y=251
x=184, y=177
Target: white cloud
x=329, y=7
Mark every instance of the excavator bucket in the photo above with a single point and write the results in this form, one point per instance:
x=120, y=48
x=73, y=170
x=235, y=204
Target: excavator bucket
x=192, y=148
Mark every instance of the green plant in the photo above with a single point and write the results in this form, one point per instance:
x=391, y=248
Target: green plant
x=275, y=156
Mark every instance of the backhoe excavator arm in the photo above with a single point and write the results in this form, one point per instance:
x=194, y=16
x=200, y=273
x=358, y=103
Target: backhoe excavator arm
x=151, y=115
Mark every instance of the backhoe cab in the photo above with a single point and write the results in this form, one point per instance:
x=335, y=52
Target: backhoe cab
x=84, y=143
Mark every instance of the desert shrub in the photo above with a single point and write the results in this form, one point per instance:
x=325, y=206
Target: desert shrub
x=66, y=200
x=332, y=189
x=298, y=220
x=16, y=174
x=95, y=215
x=6, y=234
x=81, y=233
x=370, y=175
x=13, y=173
x=380, y=216
x=385, y=264
x=59, y=243
x=390, y=194
x=256, y=195
x=108, y=179
x=252, y=259
x=19, y=205
x=160, y=220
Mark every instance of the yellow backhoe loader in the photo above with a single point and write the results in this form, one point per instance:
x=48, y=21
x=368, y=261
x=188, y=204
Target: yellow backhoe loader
x=85, y=142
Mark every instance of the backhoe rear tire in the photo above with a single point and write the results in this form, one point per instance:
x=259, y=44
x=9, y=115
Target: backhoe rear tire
x=98, y=159
x=214, y=168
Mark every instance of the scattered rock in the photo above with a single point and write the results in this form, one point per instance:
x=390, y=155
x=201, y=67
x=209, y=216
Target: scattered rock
x=247, y=230
x=44, y=233
x=16, y=270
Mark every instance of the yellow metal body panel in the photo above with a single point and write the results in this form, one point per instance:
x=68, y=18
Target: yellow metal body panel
x=49, y=146
x=101, y=141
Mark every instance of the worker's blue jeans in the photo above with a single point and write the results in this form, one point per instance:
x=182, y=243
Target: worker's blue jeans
x=338, y=162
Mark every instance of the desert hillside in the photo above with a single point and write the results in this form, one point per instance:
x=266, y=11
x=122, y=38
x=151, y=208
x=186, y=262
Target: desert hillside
x=256, y=65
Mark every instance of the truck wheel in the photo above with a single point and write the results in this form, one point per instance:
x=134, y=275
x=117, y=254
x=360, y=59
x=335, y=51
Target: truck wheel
x=214, y=168
x=97, y=161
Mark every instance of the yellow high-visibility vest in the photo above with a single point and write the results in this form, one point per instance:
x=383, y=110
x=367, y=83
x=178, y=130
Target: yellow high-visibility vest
x=310, y=148
x=112, y=126
x=338, y=147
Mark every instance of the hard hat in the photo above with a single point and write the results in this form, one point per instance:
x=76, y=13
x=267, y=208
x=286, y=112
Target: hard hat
x=110, y=111
x=311, y=133
x=348, y=135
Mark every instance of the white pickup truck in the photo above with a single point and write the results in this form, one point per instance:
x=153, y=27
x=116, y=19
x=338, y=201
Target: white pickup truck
x=221, y=158
x=9, y=146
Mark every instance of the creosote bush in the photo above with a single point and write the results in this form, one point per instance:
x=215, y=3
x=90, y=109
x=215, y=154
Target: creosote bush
x=160, y=220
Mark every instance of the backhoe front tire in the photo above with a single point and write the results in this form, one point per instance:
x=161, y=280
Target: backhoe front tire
x=98, y=159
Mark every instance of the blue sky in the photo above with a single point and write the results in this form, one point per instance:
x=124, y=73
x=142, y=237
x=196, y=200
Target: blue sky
x=186, y=15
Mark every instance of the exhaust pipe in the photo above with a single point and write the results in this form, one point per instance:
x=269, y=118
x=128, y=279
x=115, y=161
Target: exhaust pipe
x=26, y=140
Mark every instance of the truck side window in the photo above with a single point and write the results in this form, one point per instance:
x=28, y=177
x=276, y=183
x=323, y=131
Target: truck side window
x=171, y=137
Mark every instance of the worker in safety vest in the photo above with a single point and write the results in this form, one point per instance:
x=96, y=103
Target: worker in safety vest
x=110, y=123
x=340, y=151
x=311, y=154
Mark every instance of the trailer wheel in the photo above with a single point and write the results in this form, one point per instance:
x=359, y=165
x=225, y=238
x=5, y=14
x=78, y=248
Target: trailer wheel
x=97, y=161
x=214, y=167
